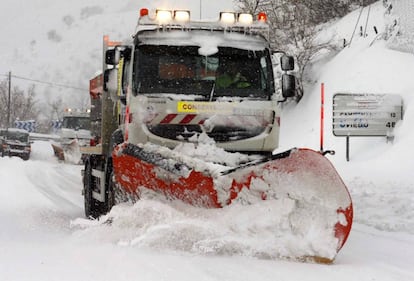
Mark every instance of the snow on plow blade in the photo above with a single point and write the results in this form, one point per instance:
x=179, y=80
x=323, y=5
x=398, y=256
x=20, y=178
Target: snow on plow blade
x=314, y=200
x=67, y=152
x=58, y=151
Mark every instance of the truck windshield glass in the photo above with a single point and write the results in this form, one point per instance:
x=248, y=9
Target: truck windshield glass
x=182, y=70
x=77, y=123
x=15, y=135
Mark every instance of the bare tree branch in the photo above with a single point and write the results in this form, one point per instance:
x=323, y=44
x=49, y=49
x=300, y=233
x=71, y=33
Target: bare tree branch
x=294, y=25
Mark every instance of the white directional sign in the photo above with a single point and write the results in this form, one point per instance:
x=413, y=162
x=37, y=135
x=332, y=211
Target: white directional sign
x=366, y=114
x=28, y=125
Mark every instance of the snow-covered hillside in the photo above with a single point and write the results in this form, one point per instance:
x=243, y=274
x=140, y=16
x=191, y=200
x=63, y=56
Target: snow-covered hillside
x=44, y=235
x=377, y=168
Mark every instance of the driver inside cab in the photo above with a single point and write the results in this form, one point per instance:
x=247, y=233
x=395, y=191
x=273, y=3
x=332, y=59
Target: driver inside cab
x=231, y=77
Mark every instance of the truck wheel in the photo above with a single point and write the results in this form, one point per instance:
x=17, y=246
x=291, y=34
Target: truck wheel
x=92, y=206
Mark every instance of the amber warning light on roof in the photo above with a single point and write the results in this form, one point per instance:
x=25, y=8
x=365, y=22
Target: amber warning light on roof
x=262, y=17
x=143, y=12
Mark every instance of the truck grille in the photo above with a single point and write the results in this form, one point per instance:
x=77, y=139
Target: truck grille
x=16, y=147
x=218, y=133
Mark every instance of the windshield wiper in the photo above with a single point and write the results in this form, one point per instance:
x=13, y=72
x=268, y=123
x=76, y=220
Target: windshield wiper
x=212, y=91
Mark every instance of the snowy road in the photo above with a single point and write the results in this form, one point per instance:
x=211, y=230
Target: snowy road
x=44, y=237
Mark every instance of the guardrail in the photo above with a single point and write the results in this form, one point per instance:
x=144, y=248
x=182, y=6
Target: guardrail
x=43, y=137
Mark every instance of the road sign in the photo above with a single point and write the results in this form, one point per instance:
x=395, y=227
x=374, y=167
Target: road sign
x=366, y=114
x=28, y=125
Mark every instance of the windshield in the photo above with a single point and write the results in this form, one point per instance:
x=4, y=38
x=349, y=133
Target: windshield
x=76, y=122
x=15, y=135
x=182, y=70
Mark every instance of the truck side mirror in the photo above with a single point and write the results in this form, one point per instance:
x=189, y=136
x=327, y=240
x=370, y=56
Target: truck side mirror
x=287, y=63
x=288, y=85
x=110, y=80
x=112, y=56
x=111, y=83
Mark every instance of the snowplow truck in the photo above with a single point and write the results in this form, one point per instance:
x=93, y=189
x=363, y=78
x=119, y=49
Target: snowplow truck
x=73, y=133
x=191, y=110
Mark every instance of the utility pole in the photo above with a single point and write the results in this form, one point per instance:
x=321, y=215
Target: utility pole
x=8, y=102
x=200, y=9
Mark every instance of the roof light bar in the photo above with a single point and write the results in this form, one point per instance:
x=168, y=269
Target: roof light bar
x=227, y=17
x=182, y=15
x=165, y=17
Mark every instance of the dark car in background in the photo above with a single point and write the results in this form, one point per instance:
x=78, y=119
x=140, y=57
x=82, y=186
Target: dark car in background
x=15, y=142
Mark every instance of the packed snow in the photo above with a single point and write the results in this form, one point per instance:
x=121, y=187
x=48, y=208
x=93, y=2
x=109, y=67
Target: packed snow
x=44, y=234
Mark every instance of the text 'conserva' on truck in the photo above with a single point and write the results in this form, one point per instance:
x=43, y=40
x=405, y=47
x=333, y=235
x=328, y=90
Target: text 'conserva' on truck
x=179, y=80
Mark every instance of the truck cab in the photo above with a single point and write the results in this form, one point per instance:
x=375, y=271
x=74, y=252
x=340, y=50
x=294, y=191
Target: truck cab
x=74, y=133
x=15, y=142
x=181, y=79
x=75, y=125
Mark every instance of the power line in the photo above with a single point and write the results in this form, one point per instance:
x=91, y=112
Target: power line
x=47, y=83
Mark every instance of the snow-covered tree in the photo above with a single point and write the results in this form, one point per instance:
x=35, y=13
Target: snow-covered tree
x=23, y=105
x=294, y=25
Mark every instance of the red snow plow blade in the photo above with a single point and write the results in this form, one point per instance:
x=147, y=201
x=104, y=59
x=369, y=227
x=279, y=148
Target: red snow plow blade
x=303, y=182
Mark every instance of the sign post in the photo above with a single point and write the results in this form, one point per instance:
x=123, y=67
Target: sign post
x=322, y=114
x=347, y=148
